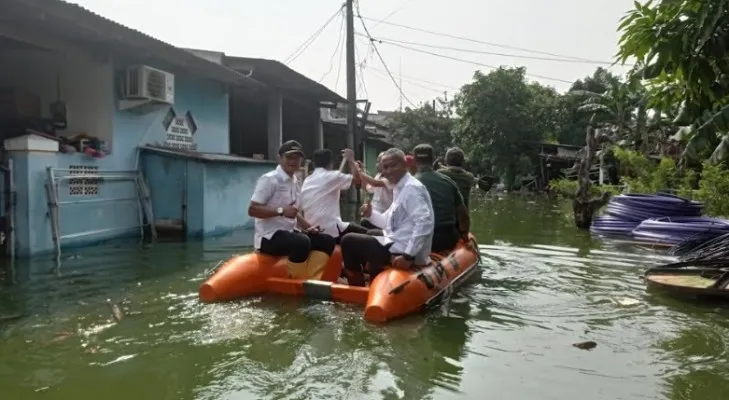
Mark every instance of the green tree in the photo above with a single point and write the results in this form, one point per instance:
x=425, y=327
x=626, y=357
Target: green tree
x=497, y=121
x=426, y=124
x=573, y=122
x=681, y=52
x=545, y=106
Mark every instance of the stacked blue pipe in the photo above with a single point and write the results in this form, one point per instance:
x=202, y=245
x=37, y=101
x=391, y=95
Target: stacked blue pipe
x=675, y=230
x=657, y=217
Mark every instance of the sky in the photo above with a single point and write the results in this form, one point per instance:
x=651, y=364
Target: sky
x=274, y=29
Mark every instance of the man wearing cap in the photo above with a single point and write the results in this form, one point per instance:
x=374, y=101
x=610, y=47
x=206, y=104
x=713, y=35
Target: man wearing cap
x=408, y=226
x=274, y=205
x=451, y=215
x=454, y=160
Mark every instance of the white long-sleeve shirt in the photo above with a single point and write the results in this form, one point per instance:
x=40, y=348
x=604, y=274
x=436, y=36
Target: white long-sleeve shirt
x=320, y=200
x=409, y=222
x=381, y=196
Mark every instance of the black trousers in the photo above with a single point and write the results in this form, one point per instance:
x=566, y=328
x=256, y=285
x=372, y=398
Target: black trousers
x=359, y=249
x=367, y=224
x=355, y=228
x=297, y=245
x=444, y=239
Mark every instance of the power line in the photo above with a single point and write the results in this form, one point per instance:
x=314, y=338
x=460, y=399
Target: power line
x=480, y=41
x=393, y=41
x=339, y=71
x=338, y=48
x=302, y=48
x=382, y=60
x=471, y=62
x=384, y=76
x=402, y=5
x=361, y=64
x=412, y=78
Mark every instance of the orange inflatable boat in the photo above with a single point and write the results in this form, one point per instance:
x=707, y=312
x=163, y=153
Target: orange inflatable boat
x=392, y=294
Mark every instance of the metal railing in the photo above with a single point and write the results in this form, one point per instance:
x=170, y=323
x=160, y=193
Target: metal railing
x=142, y=199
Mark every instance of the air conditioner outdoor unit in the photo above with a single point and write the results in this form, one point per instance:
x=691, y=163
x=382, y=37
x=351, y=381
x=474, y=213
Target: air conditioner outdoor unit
x=150, y=84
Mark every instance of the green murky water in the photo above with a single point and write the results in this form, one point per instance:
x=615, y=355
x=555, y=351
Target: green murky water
x=544, y=286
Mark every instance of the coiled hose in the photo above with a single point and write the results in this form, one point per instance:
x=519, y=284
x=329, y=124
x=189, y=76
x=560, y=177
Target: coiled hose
x=625, y=212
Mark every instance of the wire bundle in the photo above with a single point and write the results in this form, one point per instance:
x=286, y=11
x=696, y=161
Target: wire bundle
x=626, y=212
x=694, y=250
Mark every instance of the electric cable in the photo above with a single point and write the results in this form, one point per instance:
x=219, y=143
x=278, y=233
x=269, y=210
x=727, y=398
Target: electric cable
x=386, y=17
x=302, y=48
x=481, y=41
x=337, y=48
x=383, y=75
x=395, y=41
x=360, y=70
x=470, y=61
x=413, y=78
x=382, y=60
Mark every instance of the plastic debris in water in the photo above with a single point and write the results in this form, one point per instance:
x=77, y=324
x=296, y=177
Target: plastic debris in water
x=115, y=311
x=589, y=345
x=625, y=301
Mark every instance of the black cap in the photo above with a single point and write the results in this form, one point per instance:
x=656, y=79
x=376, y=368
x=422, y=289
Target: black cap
x=424, y=153
x=291, y=147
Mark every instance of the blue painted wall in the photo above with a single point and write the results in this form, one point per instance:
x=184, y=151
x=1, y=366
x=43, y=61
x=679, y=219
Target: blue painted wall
x=216, y=194
x=206, y=100
x=33, y=227
x=228, y=189
x=208, y=103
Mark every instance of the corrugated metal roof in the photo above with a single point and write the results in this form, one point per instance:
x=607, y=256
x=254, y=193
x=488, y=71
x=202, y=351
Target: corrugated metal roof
x=204, y=157
x=276, y=74
x=81, y=25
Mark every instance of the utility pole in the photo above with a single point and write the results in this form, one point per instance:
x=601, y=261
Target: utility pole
x=353, y=141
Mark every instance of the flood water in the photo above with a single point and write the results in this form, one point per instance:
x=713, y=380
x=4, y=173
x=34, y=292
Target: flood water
x=544, y=286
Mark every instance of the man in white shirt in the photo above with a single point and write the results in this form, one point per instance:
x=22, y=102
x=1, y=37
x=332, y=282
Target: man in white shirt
x=381, y=195
x=320, y=194
x=275, y=207
x=408, y=226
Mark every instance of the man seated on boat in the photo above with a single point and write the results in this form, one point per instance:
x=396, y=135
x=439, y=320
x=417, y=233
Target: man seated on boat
x=274, y=205
x=454, y=169
x=408, y=226
x=451, y=215
x=321, y=190
x=381, y=195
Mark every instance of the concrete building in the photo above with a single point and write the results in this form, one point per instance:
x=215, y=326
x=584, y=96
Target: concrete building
x=108, y=132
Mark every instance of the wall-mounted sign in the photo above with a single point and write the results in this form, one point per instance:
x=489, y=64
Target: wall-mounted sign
x=180, y=131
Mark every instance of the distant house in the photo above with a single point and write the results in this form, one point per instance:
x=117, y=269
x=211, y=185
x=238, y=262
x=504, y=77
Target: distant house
x=376, y=138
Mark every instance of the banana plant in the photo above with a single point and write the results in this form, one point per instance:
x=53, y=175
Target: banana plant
x=620, y=111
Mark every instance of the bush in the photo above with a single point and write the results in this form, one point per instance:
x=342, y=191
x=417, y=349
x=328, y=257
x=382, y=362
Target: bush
x=713, y=190
x=641, y=175
x=567, y=188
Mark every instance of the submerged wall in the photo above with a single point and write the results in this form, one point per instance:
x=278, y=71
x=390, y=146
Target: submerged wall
x=207, y=197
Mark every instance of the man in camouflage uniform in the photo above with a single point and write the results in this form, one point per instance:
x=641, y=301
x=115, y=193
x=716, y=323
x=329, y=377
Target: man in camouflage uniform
x=454, y=160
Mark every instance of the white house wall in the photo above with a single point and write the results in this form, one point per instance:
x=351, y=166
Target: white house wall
x=86, y=87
